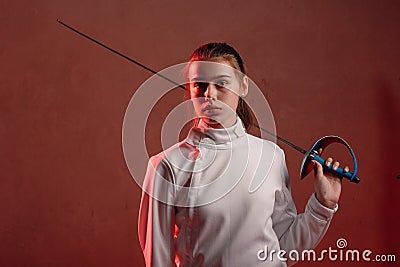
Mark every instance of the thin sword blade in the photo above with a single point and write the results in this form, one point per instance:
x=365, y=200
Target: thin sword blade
x=286, y=142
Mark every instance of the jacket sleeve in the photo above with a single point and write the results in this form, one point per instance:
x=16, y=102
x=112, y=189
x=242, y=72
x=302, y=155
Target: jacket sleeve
x=156, y=223
x=298, y=231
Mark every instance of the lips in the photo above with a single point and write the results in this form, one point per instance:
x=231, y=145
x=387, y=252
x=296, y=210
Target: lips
x=210, y=107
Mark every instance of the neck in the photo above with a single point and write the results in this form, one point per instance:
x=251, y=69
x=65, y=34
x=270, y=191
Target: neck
x=216, y=125
x=219, y=138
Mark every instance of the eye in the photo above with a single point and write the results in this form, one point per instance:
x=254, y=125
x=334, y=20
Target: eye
x=221, y=83
x=200, y=87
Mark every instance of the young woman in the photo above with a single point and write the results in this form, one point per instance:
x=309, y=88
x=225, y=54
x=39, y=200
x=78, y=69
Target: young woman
x=208, y=215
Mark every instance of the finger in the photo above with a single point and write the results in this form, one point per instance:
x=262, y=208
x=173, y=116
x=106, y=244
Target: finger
x=328, y=162
x=335, y=165
x=320, y=151
x=346, y=169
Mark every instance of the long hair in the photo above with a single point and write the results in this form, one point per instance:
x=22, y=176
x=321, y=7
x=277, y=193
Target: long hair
x=211, y=51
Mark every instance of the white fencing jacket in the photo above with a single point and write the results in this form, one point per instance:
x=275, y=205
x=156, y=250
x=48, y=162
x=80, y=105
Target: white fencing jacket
x=221, y=198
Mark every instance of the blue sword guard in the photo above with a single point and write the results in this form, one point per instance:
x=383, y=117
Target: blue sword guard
x=312, y=154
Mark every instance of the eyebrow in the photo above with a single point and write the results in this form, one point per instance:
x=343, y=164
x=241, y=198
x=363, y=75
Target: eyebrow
x=213, y=78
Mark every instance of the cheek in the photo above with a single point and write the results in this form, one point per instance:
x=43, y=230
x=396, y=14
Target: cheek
x=231, y=100
x=197, y=103
x=193, y=94
x=189, y=94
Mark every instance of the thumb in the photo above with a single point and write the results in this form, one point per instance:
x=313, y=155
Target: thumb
x=318, y=169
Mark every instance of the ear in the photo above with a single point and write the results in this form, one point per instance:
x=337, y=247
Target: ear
x=245, y=86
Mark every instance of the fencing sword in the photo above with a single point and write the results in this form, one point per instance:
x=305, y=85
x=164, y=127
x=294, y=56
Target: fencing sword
x=309, y=155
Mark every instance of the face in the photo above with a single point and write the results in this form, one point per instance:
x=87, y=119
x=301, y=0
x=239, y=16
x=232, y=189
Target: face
x=215, y=88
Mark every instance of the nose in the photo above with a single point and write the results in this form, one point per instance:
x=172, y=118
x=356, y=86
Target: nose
x=211, y=91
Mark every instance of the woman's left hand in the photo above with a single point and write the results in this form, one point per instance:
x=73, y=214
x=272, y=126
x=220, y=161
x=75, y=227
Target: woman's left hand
x=327, y=186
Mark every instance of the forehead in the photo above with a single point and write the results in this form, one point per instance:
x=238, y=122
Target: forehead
x=208, y=70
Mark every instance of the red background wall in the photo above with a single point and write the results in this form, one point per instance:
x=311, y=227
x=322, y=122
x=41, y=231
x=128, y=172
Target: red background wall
x=66, y=195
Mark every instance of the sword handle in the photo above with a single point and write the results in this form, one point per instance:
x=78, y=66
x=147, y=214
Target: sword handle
x=339, y=172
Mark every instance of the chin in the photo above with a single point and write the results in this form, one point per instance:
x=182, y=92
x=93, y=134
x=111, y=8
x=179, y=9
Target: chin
x=209, y=120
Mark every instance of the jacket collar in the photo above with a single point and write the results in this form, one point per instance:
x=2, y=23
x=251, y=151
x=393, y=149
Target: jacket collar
x=204, y=135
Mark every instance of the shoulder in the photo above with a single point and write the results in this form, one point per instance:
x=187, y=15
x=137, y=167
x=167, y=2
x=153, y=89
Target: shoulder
x=174, y=154
x=268, y=145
